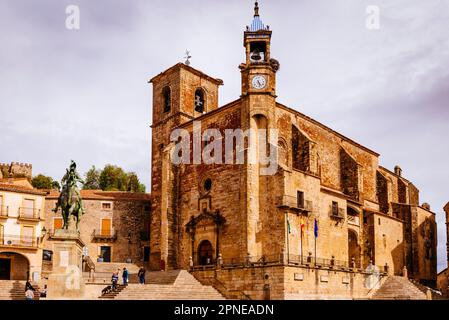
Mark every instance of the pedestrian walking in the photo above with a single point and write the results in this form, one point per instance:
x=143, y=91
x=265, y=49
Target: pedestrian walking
x=125, y=277
x=141, y=275
x=114, y=281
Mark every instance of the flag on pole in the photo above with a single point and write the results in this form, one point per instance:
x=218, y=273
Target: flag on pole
x=302, y=224
x=316, y=228
x=288, y=226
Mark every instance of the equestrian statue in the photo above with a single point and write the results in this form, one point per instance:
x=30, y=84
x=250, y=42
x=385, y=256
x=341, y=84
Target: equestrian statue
x=69, y=199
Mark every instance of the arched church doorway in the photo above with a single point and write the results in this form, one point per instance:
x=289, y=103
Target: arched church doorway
x=14, y=266
x=353, y=248
x=205, y=253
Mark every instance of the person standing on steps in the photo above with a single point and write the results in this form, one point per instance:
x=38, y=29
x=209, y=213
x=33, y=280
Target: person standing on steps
x=29, y=295
x=114, y=281
x=141, y=275
x=125, y=277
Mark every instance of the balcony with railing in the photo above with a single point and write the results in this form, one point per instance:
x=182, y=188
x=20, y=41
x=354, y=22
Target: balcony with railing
x=4, y=212
x=29, y=214
x=15, y=241
x=337, y=213
x=104, y=235
x=354, y=220
x=292, y=203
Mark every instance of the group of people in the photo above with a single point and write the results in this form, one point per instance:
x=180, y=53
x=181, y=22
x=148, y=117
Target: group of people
x=125, y=277
x=30, y=290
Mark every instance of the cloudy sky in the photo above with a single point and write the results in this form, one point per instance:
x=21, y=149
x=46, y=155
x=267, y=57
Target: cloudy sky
x=83, y=94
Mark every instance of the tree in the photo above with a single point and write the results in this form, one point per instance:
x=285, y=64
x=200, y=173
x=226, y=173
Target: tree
x=43, y=182
x=92, y=181
x=55, y=185
x=113, y=178
x=134, y=184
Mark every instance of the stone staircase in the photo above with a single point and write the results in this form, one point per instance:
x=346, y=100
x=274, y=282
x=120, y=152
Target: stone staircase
x=113, y=294
x=103, y=272
x=398, y=288
x=15, y=290
x=169, y=285
x=110, y=267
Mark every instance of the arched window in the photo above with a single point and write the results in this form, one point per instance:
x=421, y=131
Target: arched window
x=296, y=157
x=200, y=103
x=166, y=95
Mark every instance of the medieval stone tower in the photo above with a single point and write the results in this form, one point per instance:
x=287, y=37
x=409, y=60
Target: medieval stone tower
x=180, y=94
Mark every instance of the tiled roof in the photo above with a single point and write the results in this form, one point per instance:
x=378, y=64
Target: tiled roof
x=106, y=195
x=256, y=25
x=5, y=186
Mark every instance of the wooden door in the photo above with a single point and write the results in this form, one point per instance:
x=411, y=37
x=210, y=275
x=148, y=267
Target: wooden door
x=106, y=227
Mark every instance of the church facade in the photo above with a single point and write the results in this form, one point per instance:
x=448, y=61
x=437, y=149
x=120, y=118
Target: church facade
x=311, y=228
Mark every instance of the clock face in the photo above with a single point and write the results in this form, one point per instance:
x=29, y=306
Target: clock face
x=259, y=82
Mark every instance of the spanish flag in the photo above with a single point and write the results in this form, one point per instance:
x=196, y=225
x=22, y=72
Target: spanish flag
x=302, y=224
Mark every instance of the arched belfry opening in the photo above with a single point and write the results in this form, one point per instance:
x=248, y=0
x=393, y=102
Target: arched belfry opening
x=166, y=97
x=200, y=102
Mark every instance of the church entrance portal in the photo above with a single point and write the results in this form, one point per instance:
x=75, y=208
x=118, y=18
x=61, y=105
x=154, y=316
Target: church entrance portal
x=205, y=253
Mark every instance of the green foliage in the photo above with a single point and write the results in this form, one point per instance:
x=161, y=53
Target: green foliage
x=55, y=185
x=44, y=182
x=113, y=178
x=92, y=181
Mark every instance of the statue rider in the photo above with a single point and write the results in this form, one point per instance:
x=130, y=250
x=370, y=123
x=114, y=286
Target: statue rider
x=71, y=178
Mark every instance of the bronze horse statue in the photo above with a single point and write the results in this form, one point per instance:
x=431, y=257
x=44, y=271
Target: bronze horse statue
x=69, y=199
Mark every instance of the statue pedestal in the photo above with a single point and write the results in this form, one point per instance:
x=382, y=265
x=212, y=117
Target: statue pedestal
x=66, y=280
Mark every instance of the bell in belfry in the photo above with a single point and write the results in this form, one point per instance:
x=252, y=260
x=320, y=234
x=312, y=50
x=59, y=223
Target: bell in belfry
x=255, y=56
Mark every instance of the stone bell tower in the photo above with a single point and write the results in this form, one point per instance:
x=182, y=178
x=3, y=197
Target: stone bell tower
x=258, y=114
x=180, y=94
x=259, y=70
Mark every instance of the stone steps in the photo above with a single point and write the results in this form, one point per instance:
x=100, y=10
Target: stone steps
x=15, y=290
x=110, y=267
x=181, y=286
x=398, y=288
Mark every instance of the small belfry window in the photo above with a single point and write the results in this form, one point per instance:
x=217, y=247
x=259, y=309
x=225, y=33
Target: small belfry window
x=166, y=95
x=208, y=184
x=199, y=101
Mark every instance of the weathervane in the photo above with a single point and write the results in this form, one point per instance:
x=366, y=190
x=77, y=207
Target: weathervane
x=187, y=57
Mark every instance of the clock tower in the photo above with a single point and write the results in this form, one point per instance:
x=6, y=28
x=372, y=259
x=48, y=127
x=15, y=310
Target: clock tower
x=259, y=70
x=258, y=113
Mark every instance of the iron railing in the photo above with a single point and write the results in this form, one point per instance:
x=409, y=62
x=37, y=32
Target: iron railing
x=293, y=203
x=29, y=213
x=19, y=241
x=338, y=213
x=289, y=260
x=354, y=220
x=4, y=212
x=110, y=235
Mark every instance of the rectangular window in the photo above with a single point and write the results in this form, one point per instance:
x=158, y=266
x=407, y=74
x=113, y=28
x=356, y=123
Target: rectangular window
x=28, y=209
x=335, y=208
x=27, y=236
x=57, y=223
x=300, y=199
x=3, y=211
x=105, y=227
x=106, y=206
